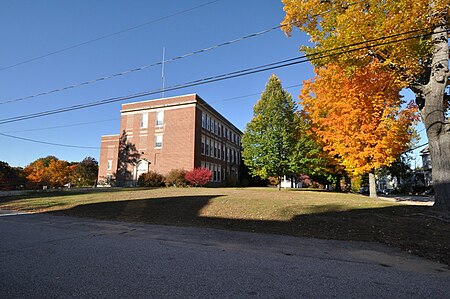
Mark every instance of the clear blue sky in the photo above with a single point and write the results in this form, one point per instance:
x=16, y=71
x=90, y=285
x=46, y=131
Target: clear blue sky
x=34, y=28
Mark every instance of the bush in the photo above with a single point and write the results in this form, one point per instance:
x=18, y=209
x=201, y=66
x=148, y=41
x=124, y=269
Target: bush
x=198, y=176
x=176, y=177
x=151, y=179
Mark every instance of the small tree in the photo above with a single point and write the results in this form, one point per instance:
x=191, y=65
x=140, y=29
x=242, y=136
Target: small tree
x=58, y=173
x=198, y=176
x=85, y=173
x=127, y=155
x=176, y=177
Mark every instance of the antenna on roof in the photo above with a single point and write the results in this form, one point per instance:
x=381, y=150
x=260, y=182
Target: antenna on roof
x=162, y=71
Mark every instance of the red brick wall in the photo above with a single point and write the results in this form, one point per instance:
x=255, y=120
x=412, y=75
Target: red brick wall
x=108, y=151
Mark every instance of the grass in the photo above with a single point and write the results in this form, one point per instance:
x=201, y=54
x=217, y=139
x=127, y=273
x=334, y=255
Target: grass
x=416, y=229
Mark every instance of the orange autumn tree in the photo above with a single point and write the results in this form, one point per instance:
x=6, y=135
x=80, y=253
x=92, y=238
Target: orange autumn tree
x=358, y=117
x=35, y=174
x=58, y=173
x=409, y=37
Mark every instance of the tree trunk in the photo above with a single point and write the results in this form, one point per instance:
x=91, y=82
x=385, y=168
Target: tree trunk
x=279, y=184
x=433, y=116
x=372, y=185
x=338, y=183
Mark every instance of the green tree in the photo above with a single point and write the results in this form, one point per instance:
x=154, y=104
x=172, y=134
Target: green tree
x=85, y=173
x=409, y=37
x=274, y=141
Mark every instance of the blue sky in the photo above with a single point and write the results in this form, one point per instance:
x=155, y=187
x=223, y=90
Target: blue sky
x=34, y=28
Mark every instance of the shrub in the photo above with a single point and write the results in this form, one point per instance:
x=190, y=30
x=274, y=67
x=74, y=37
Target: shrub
x=151, y=179
x=198, y=176
x=176, y=177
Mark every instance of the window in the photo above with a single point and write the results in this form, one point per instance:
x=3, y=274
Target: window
x=207, y=146
x=220, y=130
x=219, y=172
x=158, y=140
x=208, y=120
x=219, y=150
x=159, y=118
x=109, y=165
x=203, y=145
x=144, y=120
x=203, y=120
x=228, y=154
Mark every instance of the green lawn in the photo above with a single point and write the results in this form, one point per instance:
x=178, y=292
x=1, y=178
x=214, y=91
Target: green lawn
x=416, y=229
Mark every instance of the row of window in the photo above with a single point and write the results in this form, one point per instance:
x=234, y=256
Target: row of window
x=159, y=119
x=216, y=170
x=214, y=149
x=220, y=130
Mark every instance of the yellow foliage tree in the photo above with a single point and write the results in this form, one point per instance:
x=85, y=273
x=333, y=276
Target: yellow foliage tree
x=358, y=118
x=58, y=173
x=409, y=38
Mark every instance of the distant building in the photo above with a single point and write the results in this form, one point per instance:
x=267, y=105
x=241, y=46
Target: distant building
x=426, y=164
x=180, y=132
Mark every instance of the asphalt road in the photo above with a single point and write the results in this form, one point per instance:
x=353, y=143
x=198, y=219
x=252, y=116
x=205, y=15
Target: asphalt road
x=44, y=256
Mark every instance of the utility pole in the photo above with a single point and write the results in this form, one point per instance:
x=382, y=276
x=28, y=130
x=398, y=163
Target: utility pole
x=162, y=71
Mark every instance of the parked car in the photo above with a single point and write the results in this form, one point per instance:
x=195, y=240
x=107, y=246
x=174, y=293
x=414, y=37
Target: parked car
x=364, y=190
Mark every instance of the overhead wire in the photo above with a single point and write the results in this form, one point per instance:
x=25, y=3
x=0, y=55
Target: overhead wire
x=108, y=35
x=144, y=67
x=220, y=77
x=48, y=143
x=239, y=73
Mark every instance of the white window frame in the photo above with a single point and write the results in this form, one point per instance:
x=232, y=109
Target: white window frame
x=159, y=118
x=158, y=143
x=109, y=165
x=144, y=120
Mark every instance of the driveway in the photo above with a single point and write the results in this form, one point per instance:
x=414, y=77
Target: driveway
x=63, y=257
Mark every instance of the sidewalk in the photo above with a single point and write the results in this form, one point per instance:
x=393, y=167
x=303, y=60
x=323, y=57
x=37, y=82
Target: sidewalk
x=410, y=199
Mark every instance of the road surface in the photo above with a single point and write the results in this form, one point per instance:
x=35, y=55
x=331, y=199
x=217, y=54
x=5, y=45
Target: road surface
x=43, y=256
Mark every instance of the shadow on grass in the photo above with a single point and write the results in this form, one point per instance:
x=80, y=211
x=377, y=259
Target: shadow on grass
x=415, y=229
x=59, y=193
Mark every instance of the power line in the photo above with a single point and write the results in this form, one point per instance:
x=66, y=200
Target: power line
x=48, y=143
x=107, y=35
x=62, y=126
x=92, y=122
x=141, y=68
x=416, y=147
x=244, y=72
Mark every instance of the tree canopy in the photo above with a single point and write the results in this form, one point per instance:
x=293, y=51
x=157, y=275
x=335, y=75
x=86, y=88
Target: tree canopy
x=408, y=39
x=358, y=118
x=273, y=141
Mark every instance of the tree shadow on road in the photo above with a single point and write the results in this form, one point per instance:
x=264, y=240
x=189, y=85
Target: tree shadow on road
x=415, y=229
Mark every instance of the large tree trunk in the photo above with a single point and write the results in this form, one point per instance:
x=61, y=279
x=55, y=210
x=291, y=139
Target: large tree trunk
x=372, y=185
x=433, y=116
